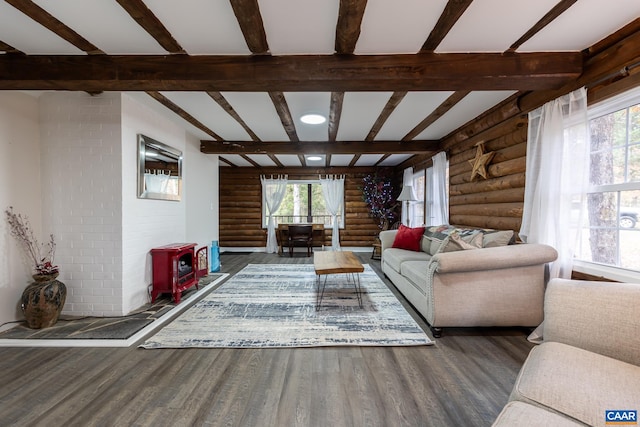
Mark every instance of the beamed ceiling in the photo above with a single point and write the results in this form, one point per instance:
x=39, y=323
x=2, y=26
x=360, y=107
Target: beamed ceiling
x=392, y=77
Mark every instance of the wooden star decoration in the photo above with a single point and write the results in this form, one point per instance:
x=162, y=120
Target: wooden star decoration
x=480, y=162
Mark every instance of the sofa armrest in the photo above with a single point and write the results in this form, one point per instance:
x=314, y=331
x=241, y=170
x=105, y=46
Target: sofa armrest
x=602, y=317
x=386, y=238
x=510, y=256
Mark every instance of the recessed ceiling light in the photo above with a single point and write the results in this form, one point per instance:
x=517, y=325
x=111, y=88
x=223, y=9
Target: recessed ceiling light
x=313, y=119
x=314, y=158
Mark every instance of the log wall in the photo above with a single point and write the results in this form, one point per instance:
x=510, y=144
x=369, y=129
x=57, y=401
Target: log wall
x=611, y=67
x=241, y=206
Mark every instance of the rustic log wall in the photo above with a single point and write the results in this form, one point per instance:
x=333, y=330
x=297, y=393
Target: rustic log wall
x=241, y=199
x=611, y=67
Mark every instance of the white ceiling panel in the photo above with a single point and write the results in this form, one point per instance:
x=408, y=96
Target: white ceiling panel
x=470, y=107
x=315, y=163
x=236, y=159
x=583, y=24
x=395, y=159
x=399, y=26
x=412, y=110
x=154, y=105
x=262, y=160
x=341, y=159
x=493, y=25
x=360, y=110
x=209, y=113
x=309, y=102
x=94, y=21
x=258, y=112
x=300, y=26
x=290, y=160
x=21, y=32
x=202, y=27
x=368, y=159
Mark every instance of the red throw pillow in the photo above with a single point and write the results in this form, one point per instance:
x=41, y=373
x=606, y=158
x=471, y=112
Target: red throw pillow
x=408, y=238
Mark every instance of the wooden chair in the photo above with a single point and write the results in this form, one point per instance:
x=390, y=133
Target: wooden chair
x=300, y=235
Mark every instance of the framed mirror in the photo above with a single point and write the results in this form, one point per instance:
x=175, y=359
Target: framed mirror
x=159, y=170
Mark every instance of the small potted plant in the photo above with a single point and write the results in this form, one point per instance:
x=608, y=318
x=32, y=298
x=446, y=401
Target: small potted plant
x=42, y=300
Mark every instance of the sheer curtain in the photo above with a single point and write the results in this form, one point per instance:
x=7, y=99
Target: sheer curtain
x=273, y=190
x=407, y=179
x=556, y=177
x=333, y=191
x=440, y=207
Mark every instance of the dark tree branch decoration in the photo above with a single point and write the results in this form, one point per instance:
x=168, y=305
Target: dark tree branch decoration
x=377, y=192
x=20, y=228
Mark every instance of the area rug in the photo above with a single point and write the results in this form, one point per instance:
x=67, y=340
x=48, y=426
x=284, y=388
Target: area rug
x=274, y=306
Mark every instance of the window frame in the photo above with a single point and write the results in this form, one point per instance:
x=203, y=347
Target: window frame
x=302, y=181
x=608, y=106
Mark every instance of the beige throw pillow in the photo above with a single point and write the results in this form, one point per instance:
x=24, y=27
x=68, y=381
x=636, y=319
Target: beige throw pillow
x=458, y=243
x=493, y=239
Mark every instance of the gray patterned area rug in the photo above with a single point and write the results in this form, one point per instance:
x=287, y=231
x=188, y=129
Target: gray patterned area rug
x=274, y=306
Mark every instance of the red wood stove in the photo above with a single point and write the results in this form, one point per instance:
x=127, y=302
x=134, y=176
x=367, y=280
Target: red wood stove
x=175, y=269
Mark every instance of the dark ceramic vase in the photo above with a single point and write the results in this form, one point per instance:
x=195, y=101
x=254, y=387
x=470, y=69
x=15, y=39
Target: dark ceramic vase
x=42, y=301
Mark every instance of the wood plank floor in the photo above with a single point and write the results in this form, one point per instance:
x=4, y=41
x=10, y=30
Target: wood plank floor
x=464, y=380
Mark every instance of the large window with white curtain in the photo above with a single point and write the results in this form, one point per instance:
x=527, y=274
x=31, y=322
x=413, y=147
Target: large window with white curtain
x=416, y=209
x=304, y=203
x=611, y=227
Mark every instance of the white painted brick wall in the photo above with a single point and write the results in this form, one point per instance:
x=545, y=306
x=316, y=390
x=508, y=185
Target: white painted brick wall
x=81, y=187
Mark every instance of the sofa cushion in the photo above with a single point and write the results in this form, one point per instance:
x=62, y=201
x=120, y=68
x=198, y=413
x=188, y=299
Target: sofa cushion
x=408, y=238
x=458, y=243
x=394, y=257
x=416, y=273
x=576, y=382
x=495, y=238
x=520, y=414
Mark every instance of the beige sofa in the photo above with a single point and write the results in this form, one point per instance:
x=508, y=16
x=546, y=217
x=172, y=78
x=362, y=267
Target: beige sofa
x=589, y=361
x=491, y=286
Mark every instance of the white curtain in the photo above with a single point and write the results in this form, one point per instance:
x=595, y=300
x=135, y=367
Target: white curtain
x=407, y=179
x=440, y=207
x=556, y=177
x=333, y=191
x=273, y=190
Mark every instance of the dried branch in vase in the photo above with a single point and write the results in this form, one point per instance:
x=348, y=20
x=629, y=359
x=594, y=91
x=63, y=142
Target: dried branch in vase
x=20, y=228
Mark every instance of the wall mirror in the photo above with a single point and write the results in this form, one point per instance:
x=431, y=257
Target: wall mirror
x=159, y=170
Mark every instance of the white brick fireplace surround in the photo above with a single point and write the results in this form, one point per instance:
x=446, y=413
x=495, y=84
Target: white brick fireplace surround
x=104, y=232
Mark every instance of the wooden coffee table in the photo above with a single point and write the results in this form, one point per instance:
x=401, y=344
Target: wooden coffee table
x=337, y=262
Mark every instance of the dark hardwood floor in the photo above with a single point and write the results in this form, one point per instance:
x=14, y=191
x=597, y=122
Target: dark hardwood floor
x=464, y=380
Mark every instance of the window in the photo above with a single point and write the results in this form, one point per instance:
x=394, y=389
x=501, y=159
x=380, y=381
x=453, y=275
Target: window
x=416, y=210
x=611, y=228
x=303, y=203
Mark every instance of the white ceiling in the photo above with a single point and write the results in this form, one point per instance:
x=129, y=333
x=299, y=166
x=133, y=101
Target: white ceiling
x=205, y=27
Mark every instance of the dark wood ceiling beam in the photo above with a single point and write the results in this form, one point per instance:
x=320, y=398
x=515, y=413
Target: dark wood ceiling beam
x=227, y=161
x=250, y=20
x=335, y=111
x=453, y=71
x=389, y=107
x=275, y=160
x=316, y=147
x=50, y=22
x=348, y=26
x=452, y=12
x=222, y=102
x=248, y=159
x=436, y=114
x=151, y=24
x=7, y=48
x=182, y=113
x=353, y=161
x=282, y=108
x=556, y=11
x=382, y=159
